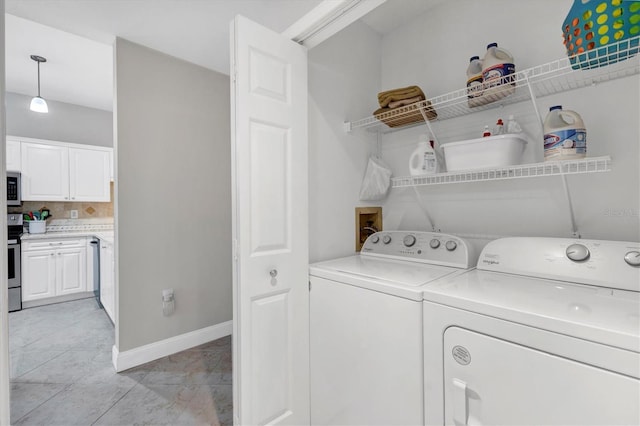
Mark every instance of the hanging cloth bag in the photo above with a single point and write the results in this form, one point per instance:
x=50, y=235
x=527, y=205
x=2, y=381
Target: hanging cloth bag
x=377, y=180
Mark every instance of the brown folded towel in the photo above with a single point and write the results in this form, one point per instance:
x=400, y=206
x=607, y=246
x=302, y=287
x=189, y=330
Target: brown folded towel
x=384, y=98
x=396, y=104
x=401, y=116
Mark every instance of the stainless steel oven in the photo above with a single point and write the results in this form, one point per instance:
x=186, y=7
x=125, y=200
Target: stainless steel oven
x=14, y=225
x=13, y=189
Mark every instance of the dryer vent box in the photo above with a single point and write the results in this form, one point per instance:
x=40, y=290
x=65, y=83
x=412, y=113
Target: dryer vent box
x=368, y=221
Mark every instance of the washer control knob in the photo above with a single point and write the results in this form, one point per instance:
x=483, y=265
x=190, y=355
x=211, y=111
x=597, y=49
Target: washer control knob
x=375, y=239
x=386, y=239
x=578, y=252
x=632, y=258
x=409, y=240
x=451, y=245
x=434, y=244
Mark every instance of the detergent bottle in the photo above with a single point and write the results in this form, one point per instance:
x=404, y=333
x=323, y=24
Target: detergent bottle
x=565, y=136
x=474, y=81
x=423, y=160
x=498, y=72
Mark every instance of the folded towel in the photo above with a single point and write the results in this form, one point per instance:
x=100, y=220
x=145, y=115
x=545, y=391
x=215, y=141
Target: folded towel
x=396, y=117
x=396, y=104
x=384, y=98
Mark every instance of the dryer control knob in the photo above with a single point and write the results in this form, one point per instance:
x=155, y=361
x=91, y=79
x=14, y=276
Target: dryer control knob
x=434, y=244
x=632, y=258
x=386, y=239
x=375, y=239
x=409, y=240
x=451, y=245
x=577, y=252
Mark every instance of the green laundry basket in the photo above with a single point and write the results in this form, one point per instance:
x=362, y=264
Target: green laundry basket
x=601, y=32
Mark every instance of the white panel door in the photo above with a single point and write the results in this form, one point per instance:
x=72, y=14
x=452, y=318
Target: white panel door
x=489, y=381
x=13, y=156
x=38, y=274
x=89, y=175
x=270, y=227
x=72, y=270
x=45, y=172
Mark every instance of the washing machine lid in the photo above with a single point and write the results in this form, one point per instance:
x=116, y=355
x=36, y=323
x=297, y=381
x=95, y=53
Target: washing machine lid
x=396, y=277
x=603, y=315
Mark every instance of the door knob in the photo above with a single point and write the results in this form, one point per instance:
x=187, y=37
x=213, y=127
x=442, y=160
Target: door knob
x=273, y=273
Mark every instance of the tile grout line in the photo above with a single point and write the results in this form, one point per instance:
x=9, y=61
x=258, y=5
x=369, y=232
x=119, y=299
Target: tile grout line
x=114, y=404
x=14, y=380
x=43, y=402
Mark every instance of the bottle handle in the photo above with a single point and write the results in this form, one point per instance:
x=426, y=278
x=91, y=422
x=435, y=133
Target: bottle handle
x=575, y=118
x=412, y=159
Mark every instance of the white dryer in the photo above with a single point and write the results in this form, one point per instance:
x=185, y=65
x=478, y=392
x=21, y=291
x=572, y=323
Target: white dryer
x=366, y=327
x=545, y=331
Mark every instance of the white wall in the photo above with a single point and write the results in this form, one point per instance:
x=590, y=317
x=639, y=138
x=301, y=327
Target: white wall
x=64, y=122
x=433, y=51
x=173, y=195
x=344, y=77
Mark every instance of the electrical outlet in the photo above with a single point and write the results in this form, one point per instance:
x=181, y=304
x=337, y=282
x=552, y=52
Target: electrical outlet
x=74, y=214
x=168, y=302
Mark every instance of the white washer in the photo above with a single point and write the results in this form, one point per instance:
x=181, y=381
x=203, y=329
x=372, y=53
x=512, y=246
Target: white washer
x=544, y=331
x=366, y=327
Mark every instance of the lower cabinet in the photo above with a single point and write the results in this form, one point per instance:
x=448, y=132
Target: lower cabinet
x=107, y=279
x=53, y=268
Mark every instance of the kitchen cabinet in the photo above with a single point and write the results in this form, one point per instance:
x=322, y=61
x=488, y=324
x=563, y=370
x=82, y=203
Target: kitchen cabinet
x=45, y=172
x=89, y=174
x=65, y=172
x=53, y=267
x=13, y=156
x=107, y=278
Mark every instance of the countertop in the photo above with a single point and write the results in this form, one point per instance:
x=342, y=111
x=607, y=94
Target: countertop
x=102, y=234
x=101, y=228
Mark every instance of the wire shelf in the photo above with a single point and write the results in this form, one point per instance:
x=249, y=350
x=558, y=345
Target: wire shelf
x=607, y=63
x=549, y=168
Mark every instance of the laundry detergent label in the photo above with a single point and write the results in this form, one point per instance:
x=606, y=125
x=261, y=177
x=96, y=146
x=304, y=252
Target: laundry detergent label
x=565, y=143
x=499, y=74
x=474, y=87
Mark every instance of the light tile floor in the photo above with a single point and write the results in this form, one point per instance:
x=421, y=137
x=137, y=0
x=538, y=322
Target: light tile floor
x=61, y=374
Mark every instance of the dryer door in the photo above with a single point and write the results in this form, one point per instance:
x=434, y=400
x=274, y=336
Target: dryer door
x=489, y=381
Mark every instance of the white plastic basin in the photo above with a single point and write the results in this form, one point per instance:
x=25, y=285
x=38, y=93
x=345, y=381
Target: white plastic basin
x=483, y=153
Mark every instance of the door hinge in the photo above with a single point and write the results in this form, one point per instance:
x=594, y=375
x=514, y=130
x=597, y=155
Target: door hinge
x=309, y=285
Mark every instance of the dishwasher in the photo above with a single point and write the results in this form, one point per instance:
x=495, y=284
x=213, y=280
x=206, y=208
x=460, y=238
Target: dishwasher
x=95, y=253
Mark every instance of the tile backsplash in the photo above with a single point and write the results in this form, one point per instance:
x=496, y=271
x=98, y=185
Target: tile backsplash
x=62, y=210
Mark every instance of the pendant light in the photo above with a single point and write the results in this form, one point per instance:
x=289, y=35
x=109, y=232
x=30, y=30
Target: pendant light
x=38, y=104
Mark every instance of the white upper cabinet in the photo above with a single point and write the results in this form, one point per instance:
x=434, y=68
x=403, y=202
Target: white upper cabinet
x=45, y=172
x=13, y=156
x=89, y=174
x=65, y=172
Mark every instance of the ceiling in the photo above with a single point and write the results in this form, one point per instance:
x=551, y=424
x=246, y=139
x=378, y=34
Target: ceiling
x=76, y=37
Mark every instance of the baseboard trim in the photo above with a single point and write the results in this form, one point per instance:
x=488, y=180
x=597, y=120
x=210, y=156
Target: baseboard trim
x=143, y=354
x=57, y=299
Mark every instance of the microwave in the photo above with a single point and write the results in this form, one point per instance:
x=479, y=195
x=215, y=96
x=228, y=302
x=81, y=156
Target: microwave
x=13, y=189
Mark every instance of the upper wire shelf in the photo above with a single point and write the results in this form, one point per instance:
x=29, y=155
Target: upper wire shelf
x=549, y=168
x=595, y=66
